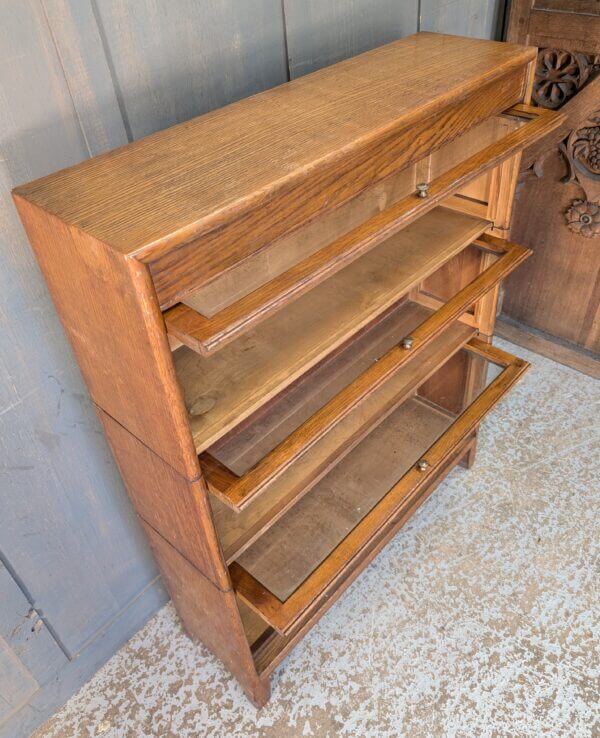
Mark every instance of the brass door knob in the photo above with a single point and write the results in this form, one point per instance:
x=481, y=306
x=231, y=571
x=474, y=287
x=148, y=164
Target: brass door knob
x=422, y=465
x=422, y=189
x=407, y=342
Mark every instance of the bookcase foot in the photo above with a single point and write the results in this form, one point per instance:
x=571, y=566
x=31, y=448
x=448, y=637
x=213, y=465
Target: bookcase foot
x=468, y=458
x=209, y=615
x=260, y=695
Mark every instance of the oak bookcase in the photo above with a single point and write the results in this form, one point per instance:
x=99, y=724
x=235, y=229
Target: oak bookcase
x=283, y=311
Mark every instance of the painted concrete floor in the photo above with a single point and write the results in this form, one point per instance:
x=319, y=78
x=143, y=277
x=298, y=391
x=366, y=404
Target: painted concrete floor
x=479, y=619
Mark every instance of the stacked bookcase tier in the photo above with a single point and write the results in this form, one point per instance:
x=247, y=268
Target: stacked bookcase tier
x=245, y=449
x=351, y=301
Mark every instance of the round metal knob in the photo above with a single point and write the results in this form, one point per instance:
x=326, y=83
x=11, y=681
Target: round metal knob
x=422, y=189
x=407, y=342
x=422, y=465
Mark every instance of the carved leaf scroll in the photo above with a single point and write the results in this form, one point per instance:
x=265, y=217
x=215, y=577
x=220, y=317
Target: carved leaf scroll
x=581, y=150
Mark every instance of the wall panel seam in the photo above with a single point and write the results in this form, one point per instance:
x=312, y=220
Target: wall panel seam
x=197, y=478
x=117, y=616
x=183, y=556
x=111, y=70
x=66, y=78
x=31, y=600
x=286, y=49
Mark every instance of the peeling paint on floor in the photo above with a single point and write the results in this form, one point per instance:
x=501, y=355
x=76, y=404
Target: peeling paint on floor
x=479, y=619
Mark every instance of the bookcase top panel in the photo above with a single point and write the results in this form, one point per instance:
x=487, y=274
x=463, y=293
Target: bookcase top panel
x=192, y=178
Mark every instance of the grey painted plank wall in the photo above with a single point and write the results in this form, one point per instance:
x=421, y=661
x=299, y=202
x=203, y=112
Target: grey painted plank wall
x=78, y=77
x=80, y=45
x=322, y=33
x=66, y=511
x=175, y=60
x=463, y=17
x=29, y=655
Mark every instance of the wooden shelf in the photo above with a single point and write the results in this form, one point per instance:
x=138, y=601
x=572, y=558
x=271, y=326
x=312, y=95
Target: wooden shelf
x=244, y=447
x=254, y=626
x=239, y=492
x=197, y=324
x=238, y=530
x=223, y=389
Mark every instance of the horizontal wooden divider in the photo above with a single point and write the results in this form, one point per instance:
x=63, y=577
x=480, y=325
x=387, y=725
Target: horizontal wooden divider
x=207, y=334
x=243, y=490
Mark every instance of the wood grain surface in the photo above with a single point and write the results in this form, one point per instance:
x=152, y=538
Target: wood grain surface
x=241, y=492
x=186, y=521
x=290, y=551
x=237, y=530
x=210, y=615
x=207, y=335
x=137, y=200
x=117, y=334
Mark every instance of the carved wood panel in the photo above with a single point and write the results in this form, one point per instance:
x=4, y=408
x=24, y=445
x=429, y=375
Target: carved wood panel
x=557, y=210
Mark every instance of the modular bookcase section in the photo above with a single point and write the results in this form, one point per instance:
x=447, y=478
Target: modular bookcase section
x=283, y=311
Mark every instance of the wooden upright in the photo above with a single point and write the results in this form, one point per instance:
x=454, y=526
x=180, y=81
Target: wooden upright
x=283, y=311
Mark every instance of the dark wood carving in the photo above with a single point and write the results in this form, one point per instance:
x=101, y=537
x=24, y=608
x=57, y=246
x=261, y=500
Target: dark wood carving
x=559, y=75
x=557, y=211
x=581, y=150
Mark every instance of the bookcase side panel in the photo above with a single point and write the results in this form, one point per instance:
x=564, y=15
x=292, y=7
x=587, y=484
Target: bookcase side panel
x=175, y=507
x=108, y=308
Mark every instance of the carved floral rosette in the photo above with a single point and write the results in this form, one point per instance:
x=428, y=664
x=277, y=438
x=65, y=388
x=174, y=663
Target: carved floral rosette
x=583, y=218
x=559, y=74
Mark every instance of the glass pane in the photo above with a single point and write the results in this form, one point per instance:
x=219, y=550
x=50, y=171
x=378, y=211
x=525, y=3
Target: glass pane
x=290, y=551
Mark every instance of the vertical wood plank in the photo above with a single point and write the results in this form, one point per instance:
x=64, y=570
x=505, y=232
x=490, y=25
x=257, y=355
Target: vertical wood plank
x=68, y=529
x=477, y=18
x=174, y=60
x=38, y=134
x=322, y=32
x=16, y=686
x=81, y=52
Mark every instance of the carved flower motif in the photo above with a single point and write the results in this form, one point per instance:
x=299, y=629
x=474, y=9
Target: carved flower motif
x=559, y=75
x=583, y=218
